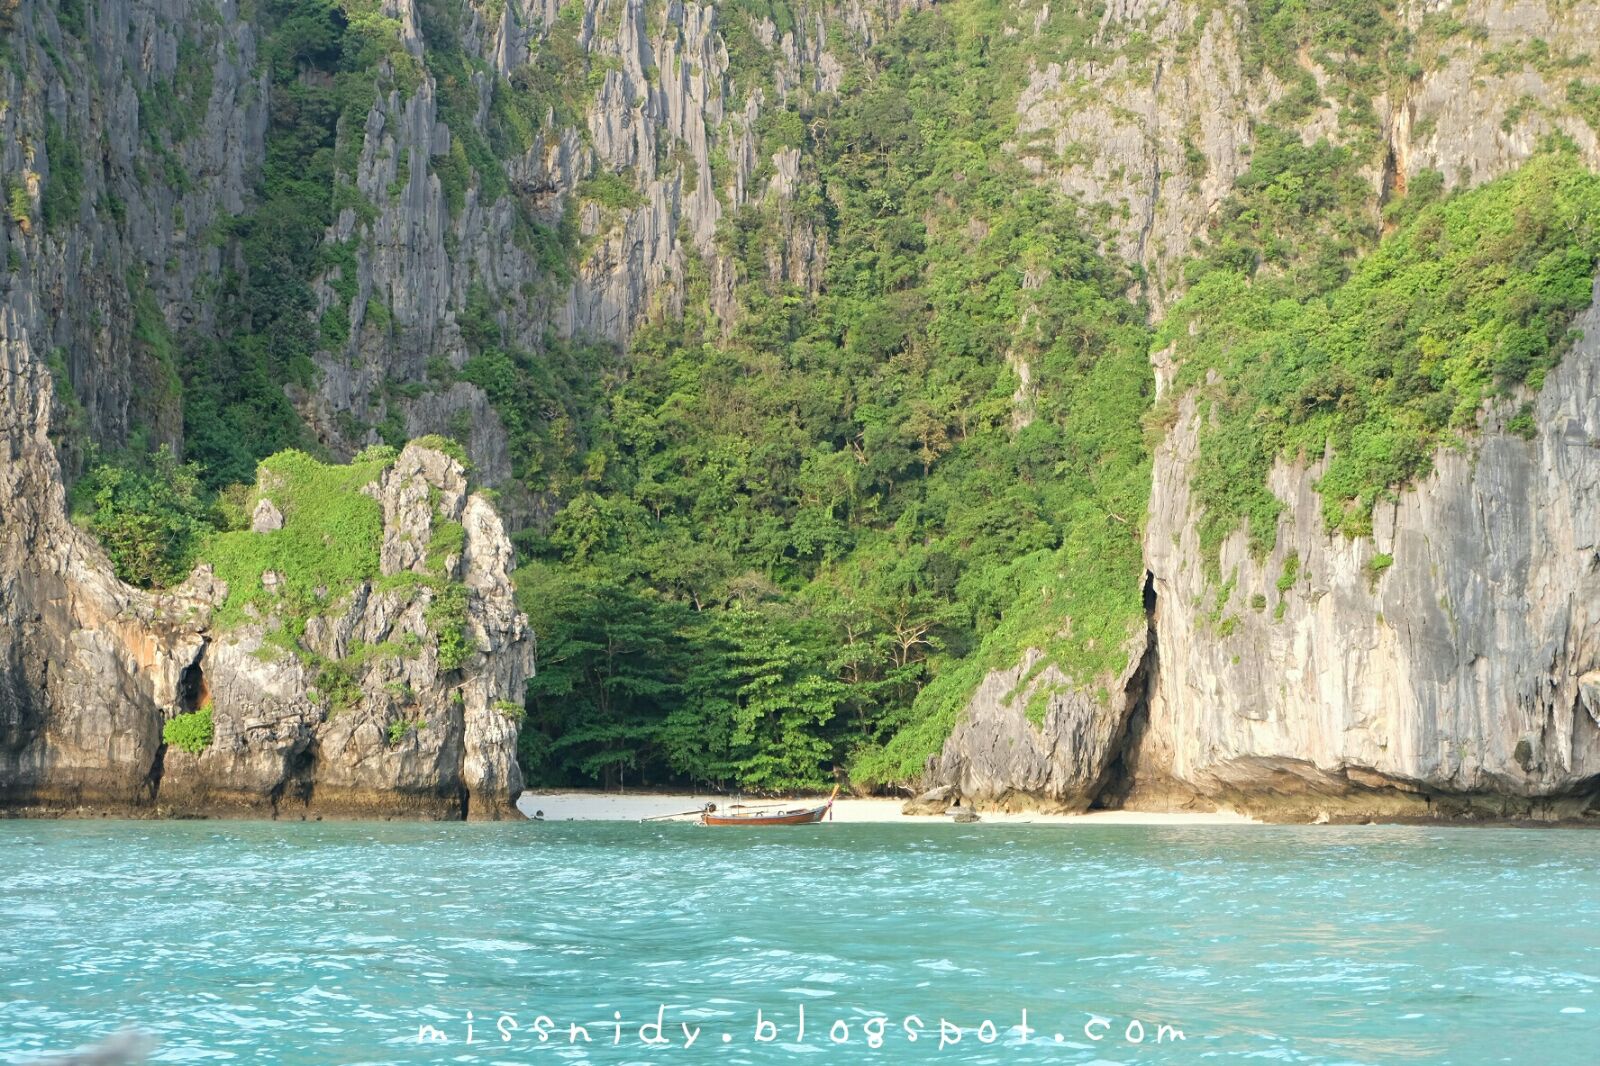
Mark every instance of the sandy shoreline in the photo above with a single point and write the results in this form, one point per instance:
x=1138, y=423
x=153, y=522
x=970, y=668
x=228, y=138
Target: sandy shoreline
x=631, y=806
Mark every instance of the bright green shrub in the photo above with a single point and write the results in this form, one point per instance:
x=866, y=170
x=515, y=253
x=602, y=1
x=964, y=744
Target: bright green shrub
x=328, y=545
x=514, y=711
x=448, y=445
x=447, y=620
x=191, y=732
x=18, y=205
x=610, y=191
x=449, y=538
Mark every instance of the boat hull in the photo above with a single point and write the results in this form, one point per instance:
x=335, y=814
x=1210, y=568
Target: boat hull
x=793, y=816
x=804, y=817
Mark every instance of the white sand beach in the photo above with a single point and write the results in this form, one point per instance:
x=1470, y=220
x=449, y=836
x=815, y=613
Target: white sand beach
x=632, y=806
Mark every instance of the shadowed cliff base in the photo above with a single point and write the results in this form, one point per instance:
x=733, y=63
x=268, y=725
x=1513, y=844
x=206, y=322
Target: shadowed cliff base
x=1296, y=792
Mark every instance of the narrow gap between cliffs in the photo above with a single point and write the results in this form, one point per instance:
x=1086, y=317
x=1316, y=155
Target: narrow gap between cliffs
x=1117, y=781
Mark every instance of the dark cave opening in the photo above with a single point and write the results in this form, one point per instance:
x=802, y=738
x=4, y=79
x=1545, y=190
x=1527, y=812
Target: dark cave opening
x=193, y=692
x=1117, y=782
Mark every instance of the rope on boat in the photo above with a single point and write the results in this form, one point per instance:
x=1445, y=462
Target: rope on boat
x=707, y=809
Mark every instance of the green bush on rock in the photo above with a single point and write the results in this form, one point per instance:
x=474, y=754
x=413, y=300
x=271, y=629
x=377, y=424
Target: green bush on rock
x=329, y=543
x=191, y=732
x=1471, y=297
x=150, y=514
x=447, y=619
x=327, y=547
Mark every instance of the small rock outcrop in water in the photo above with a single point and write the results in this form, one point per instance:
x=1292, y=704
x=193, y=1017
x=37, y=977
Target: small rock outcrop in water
x=91, y=669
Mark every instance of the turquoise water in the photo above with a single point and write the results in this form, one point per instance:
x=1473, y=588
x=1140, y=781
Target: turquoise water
x=333, y=943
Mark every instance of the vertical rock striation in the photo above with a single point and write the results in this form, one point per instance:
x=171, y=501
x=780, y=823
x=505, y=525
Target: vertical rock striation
x=662, y=117
x=1446, y=665
x=1457, y=681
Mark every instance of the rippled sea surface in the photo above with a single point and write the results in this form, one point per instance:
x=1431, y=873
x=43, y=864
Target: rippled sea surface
x=335, y=943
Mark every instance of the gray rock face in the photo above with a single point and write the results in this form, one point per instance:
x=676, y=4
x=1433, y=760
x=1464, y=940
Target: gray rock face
x=91, y=669
x=665, y=106
x=1458, y=677
x=266, y=518
x=998, y=757
x=76, y=282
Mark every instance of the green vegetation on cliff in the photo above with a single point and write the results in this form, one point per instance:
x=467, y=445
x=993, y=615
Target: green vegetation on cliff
x=321, y=58
x=191, y=732
x=794, y=546
x=1470, y=296
x=327, y=546
x=150, y=514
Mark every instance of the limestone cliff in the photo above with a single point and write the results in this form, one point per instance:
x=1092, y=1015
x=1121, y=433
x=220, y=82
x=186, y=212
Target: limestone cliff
x=1447, y=665
x=659, y=122
x=93, y=669
x=523, y=174
x=1449, y=678
x=145, y=125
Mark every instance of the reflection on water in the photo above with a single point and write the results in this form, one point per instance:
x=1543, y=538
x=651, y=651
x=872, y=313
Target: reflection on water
x=326, y=943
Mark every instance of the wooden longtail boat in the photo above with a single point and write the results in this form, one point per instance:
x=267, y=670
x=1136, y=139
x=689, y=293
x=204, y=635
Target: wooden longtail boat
x=794, y=816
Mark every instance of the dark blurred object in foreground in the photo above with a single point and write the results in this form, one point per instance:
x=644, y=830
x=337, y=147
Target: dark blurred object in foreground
x=121, y=1050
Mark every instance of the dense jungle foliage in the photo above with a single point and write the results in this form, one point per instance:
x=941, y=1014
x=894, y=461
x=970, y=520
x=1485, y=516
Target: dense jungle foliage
x=791, y=546
x=788, y=545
